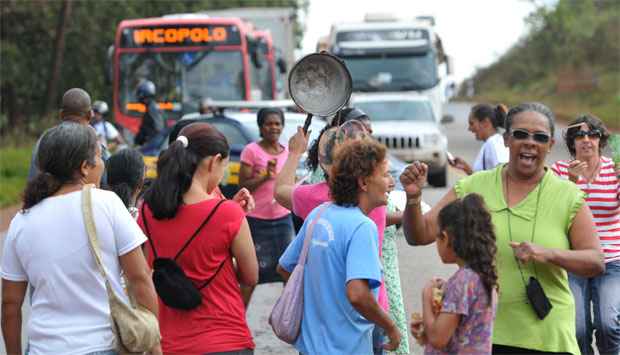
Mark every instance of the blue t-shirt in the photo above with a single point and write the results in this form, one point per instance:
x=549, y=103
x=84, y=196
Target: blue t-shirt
x=343, y=248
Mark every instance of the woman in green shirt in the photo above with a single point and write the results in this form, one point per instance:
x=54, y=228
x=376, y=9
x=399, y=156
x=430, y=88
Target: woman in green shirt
x=543, y=228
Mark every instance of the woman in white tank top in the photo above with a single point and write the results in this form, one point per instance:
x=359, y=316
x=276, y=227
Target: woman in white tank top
x=485, y=121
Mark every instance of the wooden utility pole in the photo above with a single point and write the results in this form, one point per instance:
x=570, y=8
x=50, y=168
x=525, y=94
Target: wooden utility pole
x=59, y=49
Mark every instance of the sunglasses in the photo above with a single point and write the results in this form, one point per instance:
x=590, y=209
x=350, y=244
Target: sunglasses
x=595, y=133
x=521, y=134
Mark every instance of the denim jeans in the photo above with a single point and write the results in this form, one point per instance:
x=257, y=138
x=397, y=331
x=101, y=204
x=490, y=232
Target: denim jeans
x=600, y=296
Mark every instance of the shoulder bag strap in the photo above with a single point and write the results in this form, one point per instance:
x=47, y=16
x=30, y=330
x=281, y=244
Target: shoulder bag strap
x=206, y=283
x=148, y=233
x=87, y=211
x=199, y=229
x=308, y=237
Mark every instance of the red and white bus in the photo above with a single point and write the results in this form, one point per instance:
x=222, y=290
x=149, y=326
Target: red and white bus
x=189, y=57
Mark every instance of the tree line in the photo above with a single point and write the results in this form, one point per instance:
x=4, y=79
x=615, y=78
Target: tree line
x=49, y=46
x=574, y=36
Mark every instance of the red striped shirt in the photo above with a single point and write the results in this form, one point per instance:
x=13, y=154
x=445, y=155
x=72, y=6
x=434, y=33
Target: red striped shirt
x=603, y=198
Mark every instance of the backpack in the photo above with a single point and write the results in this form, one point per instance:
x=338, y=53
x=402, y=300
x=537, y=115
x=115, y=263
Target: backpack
x=173, y=287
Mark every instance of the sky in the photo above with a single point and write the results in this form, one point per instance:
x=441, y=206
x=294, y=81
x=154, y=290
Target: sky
x=474, y=32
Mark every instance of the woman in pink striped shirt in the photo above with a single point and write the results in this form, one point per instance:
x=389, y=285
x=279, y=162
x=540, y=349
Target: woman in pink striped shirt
x=597, y=176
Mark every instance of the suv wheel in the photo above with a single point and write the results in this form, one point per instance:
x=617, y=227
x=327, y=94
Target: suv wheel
x=439, y=179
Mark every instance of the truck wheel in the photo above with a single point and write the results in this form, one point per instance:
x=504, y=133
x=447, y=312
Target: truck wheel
x=439, y=179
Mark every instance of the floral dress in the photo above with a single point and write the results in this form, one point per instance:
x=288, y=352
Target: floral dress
x=392, y=282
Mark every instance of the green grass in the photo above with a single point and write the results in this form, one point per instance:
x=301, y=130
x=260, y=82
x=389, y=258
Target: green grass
x=14, y=165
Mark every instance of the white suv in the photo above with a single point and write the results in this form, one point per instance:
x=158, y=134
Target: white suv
x=407, y=126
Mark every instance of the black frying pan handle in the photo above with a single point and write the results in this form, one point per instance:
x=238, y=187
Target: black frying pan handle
x=307, y=123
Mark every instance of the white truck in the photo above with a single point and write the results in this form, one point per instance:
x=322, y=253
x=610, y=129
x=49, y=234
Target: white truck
x=385, y=54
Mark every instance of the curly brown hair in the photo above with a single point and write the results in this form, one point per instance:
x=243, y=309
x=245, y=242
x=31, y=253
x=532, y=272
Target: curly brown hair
x=472, y=237
x=353, y=160
x=594, y=123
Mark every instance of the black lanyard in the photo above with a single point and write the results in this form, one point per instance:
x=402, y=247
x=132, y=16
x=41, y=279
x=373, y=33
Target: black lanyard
x=508, y=213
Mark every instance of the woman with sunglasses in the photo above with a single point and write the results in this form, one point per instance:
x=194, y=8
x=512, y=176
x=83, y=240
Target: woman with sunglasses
x=485, y=122
x=543, y=229
x=596, y=175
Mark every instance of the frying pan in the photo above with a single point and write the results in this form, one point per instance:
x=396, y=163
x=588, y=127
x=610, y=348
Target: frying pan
x=320, y=84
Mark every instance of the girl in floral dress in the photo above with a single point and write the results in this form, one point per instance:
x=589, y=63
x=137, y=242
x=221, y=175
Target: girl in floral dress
x=464, y=324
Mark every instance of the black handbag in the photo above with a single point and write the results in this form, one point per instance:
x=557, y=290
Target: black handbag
x=173, y=287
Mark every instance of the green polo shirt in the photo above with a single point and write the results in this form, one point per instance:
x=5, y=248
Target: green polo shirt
x=516, y=324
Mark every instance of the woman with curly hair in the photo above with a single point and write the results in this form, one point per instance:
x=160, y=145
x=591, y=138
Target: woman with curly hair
x=343, y=271
x=464, y=324
x=596, y=175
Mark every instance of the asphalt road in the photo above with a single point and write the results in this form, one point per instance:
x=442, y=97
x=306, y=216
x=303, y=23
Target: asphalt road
x=417, y=264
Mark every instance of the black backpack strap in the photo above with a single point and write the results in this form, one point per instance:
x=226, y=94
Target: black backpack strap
x=148, y=233
x=199, y=229
x=215, y=274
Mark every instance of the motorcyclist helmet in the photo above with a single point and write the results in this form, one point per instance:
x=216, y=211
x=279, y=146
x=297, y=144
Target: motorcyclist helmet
x=146, y=89
x=100, y=107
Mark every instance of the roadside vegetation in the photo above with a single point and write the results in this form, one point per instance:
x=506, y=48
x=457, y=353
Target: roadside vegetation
x=570, y=60
x=15, y=154
x=14, y=164
x=47, y=47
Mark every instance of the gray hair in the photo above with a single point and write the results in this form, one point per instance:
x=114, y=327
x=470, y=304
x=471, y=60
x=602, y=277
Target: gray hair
x=530, y=107
x=63, y=148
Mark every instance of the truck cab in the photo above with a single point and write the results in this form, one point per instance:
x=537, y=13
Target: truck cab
x=385, y=54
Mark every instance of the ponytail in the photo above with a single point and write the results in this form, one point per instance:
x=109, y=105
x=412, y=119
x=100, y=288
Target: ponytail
x=175, y=169
x=499, y=116
x=177, y=164
x=472, y=237
x=41, y=187
x=60, y=154
x=312, y=162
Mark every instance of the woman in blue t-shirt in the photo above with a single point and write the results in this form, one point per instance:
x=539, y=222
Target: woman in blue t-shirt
x=343, y=271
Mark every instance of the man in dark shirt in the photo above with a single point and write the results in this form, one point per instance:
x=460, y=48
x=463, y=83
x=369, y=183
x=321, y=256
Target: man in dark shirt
x=152, y=127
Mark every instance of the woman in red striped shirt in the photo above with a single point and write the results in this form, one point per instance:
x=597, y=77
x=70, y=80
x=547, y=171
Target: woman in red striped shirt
x=597, y=177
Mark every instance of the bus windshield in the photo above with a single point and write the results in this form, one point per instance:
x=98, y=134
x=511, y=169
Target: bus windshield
x=182, y=79
x=393, y=72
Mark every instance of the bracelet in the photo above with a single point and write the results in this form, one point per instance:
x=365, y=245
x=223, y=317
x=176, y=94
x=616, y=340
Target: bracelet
x=415, y=200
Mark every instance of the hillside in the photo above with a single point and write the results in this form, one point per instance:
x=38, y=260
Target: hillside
x=570, y=60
